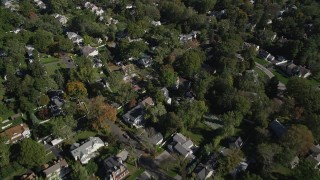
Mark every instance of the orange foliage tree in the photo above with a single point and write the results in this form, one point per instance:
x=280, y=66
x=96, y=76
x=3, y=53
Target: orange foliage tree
x=76, y=89
x=100, y=112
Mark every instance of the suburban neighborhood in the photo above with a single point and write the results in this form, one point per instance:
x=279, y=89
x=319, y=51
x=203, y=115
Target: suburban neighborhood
x=159, y=89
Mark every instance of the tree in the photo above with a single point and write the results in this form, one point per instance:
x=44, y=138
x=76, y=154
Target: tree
x=62, y=127
x=228, y=163
x=191, y=112
x=201, y=86
x=298, y=88
x=266, y=154
x=76, y=89
x=305, y=170
x=171, y=123
x=58, y=6
x=272, y=87
x=42, y=39
x=298, y=139
x=251, y=176
x=79, y=172
x=65, y=44
x=168, y=76
x=190, y=62
x=100, y=112
x=4, y=152
x=154, y=112
x=31, y=153
x=43, y=100
x=92, y=167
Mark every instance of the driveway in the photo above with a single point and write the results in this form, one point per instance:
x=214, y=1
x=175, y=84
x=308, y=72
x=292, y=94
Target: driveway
x=281, y=86
x=161, y=157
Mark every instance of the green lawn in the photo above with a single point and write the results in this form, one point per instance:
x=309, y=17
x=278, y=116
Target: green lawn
x=134, y=171
x=260, y=72
x=200, y=133
x=261, y=61
x=280, y=77
x=84, y=135
x=170, y=167
x=53, y=66
x=48, y=59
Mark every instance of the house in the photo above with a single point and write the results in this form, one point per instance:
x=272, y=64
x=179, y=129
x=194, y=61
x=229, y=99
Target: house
x=30, y=50
x=135, y=116
x=182, y=145
x=129, y=71
x=277, y=128
x=314, y=156
x=247, y=45
x=123, y=155
x=87, y=150
x=156, y=139
x=61, y=18
x=236, y=143
x=265, y=55
x=115, y=169
x=145, y=61
x=145, y=176
x=165, y=92
x=156, y=23
x=29, y=176
x=74, y=37
x=57, y=171
x=206, y=169
x=294, y=162
x=40, y=4
x=203, y=172
x=93, y=8
x=56, y=102
x=11, y=4
x=16, y=133
x=188, y=37
x=89, y=51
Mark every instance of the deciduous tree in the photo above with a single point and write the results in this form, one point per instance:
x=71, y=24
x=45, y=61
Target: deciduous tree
x=31, y=153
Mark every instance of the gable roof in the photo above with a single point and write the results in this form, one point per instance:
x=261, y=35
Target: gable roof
x=277, y=128
x=12, y=132
x=61, y=164
x=179, y=138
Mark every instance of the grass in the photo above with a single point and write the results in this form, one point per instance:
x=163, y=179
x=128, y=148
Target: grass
x=314, y=82
x=52, y=67
x=12, y=170
x=84, y=135
x=170, y=167
x=261, y=61
x=260, y=72
x=49, y=59
x=200, y=133
x=280, y=77
x=134, y=171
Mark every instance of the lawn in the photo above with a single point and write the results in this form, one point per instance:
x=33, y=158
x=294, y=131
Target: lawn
x=170, y=167
x=200, y=134
x=280, y=77
x=49, y=59
x=261, y=73
x=53, y=66
x=261, y=61
x=84, y=135
x=134, y=171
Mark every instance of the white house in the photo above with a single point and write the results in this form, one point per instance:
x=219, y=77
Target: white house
x=57, y=171
x=16, y=133
x=87, y=150
x=89, y=51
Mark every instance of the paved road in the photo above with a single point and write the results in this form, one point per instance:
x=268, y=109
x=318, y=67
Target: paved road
x=281, y=86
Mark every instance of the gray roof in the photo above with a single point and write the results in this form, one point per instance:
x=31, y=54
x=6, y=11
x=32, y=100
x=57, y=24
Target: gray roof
x=315, y=149
x=61, y=164
x=188, y=144
x=86, y=50
x=79, y=150
x=277, y=128
x=134, y=113
x=123, y=155
x=112, y=163
x=182, y=150
x=203, y=171
x=145, y=176
x=236, y=143
x=179, y=138
x=156, y=139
